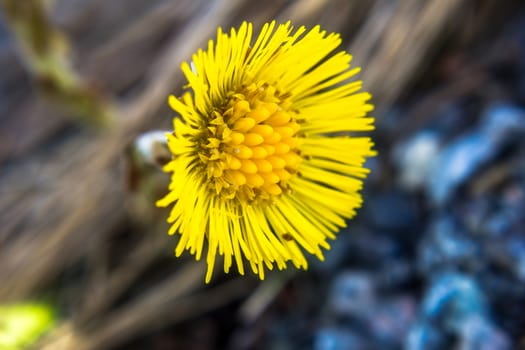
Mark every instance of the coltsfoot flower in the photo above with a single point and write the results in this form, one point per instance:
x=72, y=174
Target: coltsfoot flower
x=266, y=161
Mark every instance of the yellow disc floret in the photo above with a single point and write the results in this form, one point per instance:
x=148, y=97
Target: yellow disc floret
x=249, y=147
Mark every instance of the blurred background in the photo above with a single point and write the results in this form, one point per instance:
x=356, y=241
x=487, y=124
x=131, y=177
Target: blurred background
x=434, y=260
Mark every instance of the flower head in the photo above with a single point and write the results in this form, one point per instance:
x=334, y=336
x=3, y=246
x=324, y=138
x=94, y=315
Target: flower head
x=263, y=164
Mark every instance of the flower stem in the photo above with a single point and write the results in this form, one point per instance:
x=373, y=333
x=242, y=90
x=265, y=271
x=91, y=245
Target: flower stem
x=45, y=52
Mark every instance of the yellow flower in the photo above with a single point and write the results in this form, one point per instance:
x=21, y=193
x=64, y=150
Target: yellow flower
x=263, y=164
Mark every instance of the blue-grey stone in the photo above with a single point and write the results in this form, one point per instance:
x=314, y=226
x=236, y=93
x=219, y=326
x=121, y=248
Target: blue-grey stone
x=352, y=294
x=415, y=157
x=447, y=244
x=423, y=336
x=502, y=120
x=459, y=160
x=338, y=339
x=456, y=163
x=451, y=298
x=477, y=333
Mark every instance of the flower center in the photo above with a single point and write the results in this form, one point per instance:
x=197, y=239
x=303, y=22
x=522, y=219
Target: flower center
x=249, y=148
